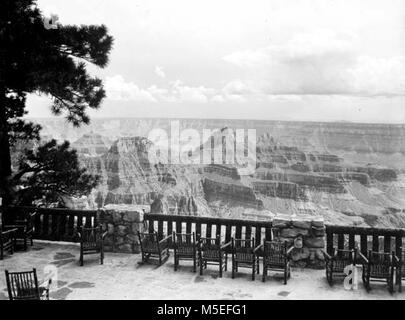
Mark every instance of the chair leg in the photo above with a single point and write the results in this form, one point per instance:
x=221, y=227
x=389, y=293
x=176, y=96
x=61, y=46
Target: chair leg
x=1, y=253
x=264, y=273
x=194, y=264
x=285, y=274
x=201, y=266
x=102, y=256
x=175, y=263
x=367, y=283
x=328, y=275
x=32, y=241
x=81, y=258
x=220, y=268
x=25, y=244
x=391, y=282
x=253, y=271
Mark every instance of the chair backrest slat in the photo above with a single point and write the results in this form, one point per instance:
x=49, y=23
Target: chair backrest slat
x=183, y=239
x=275, y=251
x=22, y=285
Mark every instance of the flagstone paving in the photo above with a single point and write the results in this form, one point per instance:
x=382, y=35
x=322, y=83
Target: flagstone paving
x=123, y=277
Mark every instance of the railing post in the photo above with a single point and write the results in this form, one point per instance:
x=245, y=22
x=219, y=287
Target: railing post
x=248, y=233
x=363, y=244
x=258, y=235
x=376, y=243
x=228, y=233
x=208, y=231
x=352, y=242
x=198, y=230
x=341, y=241
x=387, y=244
x=160, y=229
x=329, y=240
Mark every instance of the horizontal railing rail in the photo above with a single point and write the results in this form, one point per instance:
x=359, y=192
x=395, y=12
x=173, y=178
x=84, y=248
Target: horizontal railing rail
x=210, y=227
x=53, y=223
x=365, y=238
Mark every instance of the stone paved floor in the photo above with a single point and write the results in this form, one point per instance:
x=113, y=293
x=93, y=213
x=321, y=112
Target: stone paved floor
x=121, y=277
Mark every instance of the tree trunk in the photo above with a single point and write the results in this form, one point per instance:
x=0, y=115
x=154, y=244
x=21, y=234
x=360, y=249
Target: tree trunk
x=5, y=156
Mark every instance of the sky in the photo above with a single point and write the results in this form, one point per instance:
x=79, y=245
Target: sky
x=316, y=60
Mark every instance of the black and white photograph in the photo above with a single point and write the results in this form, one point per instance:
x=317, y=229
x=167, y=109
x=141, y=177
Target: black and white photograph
x=195, y=151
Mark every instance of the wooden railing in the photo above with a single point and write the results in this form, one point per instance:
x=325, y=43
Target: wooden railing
x=376, y=239
x=210, y=227
x=55, y=224
x=61, y=225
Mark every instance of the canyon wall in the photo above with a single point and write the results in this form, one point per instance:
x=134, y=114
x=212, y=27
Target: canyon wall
x=348, y=173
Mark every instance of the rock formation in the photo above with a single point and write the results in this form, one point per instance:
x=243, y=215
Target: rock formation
x=348, y=173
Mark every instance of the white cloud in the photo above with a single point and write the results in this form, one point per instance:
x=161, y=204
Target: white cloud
x=379, y=76
x=320, y=63
x=183, y=93
x=176, y=91
x=159, y=72
x=118, y=89
x=233, y=91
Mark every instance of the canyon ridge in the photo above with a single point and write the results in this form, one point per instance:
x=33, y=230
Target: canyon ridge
x=348, y=173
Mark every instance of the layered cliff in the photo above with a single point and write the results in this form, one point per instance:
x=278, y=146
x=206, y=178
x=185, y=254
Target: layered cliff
x=349, y=173
x=128, y=177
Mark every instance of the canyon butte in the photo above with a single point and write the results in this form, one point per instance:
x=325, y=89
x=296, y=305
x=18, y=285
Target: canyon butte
x=348, y=173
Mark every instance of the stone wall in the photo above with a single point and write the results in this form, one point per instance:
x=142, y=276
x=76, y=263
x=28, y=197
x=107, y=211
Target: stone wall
x=122, y=223
x=306, y=234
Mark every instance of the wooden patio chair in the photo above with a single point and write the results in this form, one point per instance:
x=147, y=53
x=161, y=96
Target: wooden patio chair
x=91, y=242
x=212, y=252
x=245, y=255
x=276, y=257
x=336, y=262
x=153, y=248
x=185, y=248
x=24, y=286
x=24, y=223
x=7, y=241
x=379, y=267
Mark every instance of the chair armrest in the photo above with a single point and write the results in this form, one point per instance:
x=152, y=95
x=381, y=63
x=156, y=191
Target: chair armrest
x=396, y=260
x=226, y=245
x=363, y=259
x=326, y=255
x=289, y=251
x=9, y=231
x=257, y=248
x=165, y=239
x=104, y=235
x=46, y=286
x=21, y=221
x=14, y=226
